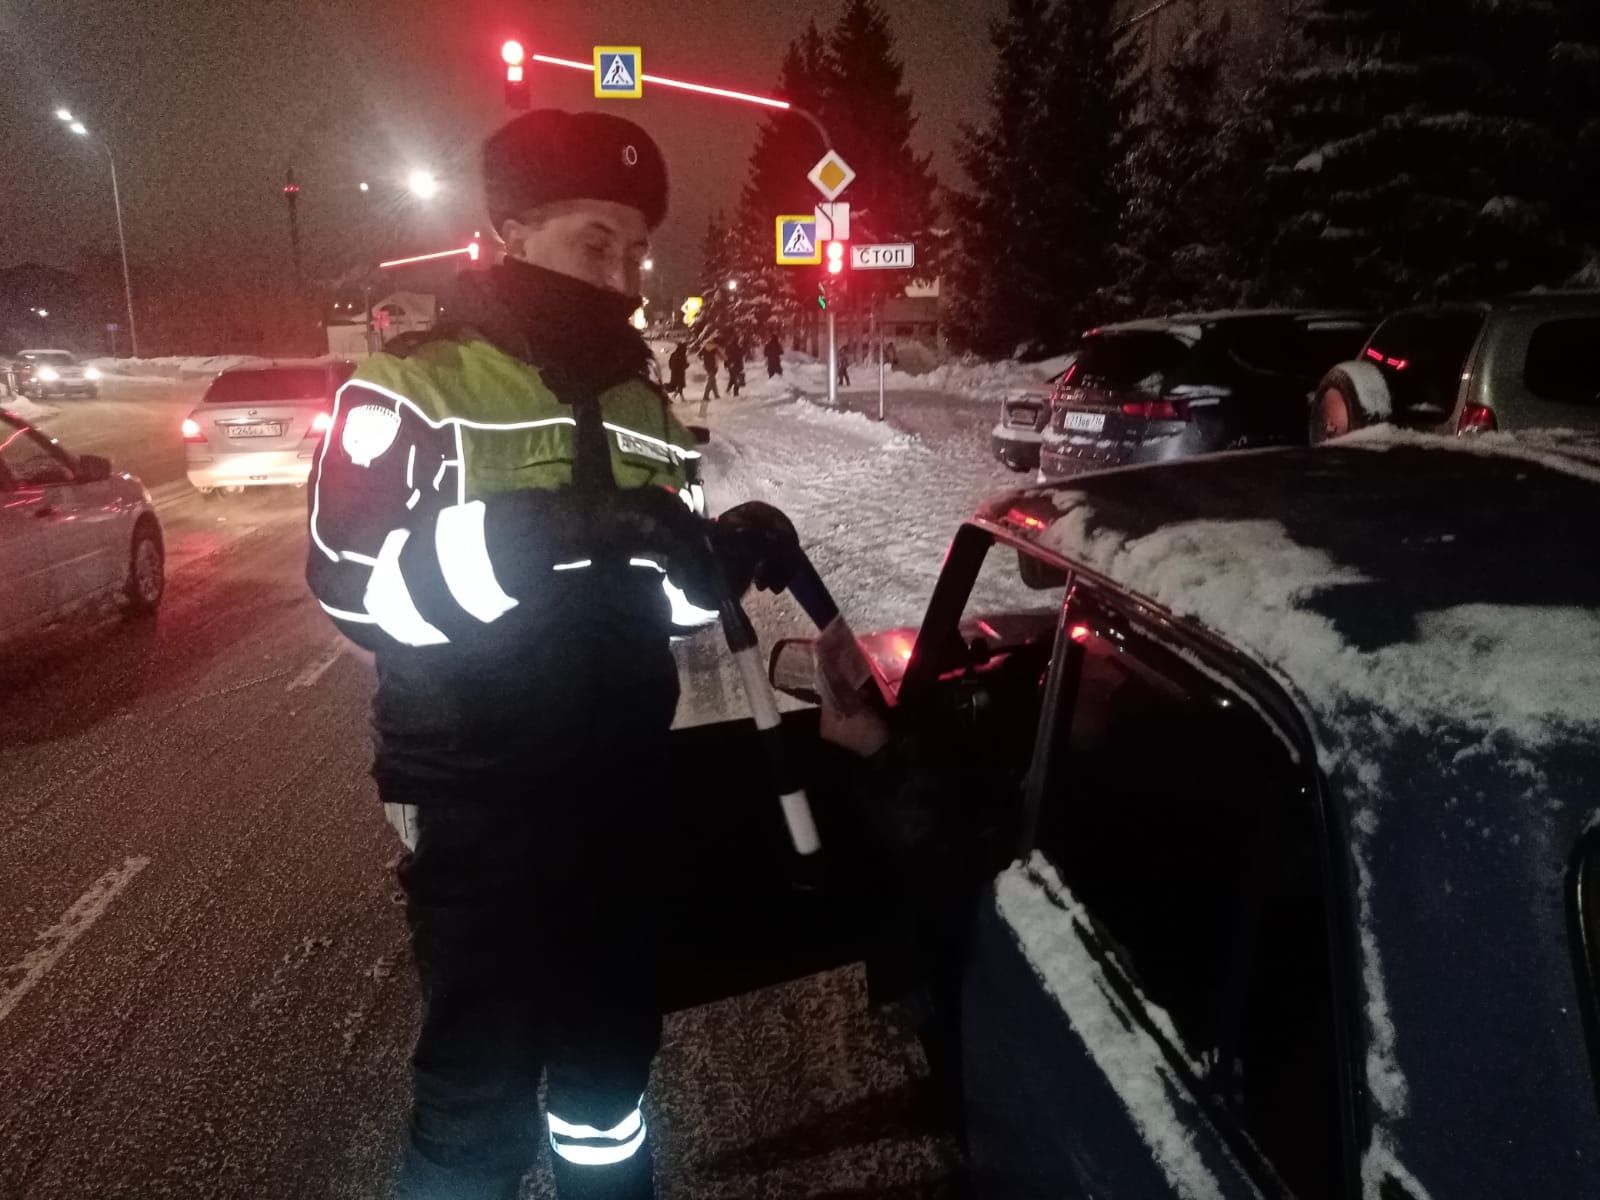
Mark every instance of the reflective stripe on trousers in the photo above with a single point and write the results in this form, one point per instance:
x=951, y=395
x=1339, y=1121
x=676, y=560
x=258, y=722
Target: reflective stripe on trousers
x=587, y=1146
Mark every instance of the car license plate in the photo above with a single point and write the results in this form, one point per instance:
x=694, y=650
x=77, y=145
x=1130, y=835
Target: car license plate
x=1084, y=422
x=259, y=429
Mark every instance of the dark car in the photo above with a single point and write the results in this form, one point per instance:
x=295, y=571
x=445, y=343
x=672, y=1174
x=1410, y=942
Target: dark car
x=1150, y=391
x=1524, y=362
x=42, y=373
x=1257, y=854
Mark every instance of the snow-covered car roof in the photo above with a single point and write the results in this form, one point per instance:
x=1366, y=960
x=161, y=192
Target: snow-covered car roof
x=1432, y=607
x=1191, y=326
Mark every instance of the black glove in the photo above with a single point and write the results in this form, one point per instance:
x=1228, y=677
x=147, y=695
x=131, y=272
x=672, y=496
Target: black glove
x=757, y=544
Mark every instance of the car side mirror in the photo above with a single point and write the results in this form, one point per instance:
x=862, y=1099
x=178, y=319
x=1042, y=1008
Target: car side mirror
x=93, y=469
x=701, y=435
x=792, y=669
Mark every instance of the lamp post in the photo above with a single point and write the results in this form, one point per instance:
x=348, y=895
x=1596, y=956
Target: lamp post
x=81, y=130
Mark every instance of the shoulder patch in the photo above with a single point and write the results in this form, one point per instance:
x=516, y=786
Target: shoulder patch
x=369, y=431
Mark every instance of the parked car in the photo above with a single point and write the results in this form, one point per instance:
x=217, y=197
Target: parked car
x=1525, y=362
x=260, y=426
x=1154, y=390
x=1024, y=416
x=1256, y=854
x=71, y=531
x=40, y=373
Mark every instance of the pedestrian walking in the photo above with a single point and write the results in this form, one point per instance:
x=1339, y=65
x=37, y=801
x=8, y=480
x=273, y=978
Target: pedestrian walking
x=844, y=367
x=735, y=366
x=678, y=371
x=710, y=359
x=774, y=353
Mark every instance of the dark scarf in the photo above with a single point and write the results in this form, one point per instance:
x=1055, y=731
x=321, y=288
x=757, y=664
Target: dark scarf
x=578, y=335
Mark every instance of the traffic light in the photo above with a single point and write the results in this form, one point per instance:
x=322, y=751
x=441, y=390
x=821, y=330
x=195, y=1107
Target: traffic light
x=516, y=75
x=822, y=295
x=835, y=258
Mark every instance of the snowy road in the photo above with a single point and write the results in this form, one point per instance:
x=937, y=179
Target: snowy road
x=204, y=988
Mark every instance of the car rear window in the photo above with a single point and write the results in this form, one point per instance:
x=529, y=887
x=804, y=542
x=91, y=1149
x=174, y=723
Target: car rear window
x=1422, y=357
x=1304, y=352
x=1561, y=364
x=1121, y=361
x=277, y=384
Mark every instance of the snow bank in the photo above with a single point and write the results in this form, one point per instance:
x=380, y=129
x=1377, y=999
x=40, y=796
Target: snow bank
x=1040, y=910
x=26, y=409
x=167, y=369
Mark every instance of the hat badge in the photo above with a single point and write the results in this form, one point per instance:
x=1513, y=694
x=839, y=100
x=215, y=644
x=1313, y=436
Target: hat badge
x=630, y=155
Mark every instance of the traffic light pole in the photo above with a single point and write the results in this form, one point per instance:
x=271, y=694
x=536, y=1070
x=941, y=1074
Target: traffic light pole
x=833, y=361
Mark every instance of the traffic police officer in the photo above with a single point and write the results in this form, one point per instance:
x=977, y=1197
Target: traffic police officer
x=498, y=513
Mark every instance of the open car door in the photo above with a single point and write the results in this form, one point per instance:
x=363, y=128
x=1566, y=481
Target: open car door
x=740, y=908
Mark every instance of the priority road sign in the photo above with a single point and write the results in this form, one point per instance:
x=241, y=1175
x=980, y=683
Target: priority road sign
x=886, y=256
x=618, y=72
x=831, y=175
x=798, y=244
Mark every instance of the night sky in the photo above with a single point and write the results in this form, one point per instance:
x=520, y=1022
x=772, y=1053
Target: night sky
x=205, y=103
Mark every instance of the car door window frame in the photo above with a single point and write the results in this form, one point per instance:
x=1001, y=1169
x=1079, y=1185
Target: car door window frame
x=51, y=450
x=1219, y=664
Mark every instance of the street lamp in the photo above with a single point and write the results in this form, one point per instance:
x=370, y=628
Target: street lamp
x=648, y=264
x=733, y=285
x=78, y=127
x=422, y=184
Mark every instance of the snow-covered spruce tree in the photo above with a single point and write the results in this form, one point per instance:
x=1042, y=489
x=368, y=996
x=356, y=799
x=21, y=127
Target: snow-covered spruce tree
x=1415, y=155
x=1039, y=228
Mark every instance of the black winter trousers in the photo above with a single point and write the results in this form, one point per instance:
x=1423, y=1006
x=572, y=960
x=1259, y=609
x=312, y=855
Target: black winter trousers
x=531, y=928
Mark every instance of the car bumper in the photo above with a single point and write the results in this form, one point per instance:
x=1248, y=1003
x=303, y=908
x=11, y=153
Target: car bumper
x=1062, y=456
x=61, y=387
x=259, y=468
x=1016, y=448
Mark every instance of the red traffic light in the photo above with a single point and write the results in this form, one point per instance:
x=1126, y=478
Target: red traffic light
x=512, y=53
x=835, y=257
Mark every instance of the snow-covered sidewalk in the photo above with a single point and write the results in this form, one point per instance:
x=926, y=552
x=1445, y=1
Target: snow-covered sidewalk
x=875, y=507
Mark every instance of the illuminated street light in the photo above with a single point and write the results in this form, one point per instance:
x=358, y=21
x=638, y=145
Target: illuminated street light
x=364, y=186
x=422, y=184
x=82, y=130
x=733, y=285
x=648, y=264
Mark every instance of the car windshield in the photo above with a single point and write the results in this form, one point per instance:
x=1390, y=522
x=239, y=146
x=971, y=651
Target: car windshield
x=274, y=385
x=1422, y=356
x=47, y=356
x=1124, y=360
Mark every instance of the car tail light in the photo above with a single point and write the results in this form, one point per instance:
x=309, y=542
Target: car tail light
x=1026, y=519
x=1477, y=418
x=1157, y=410
x=322, y=422
x=191, y=430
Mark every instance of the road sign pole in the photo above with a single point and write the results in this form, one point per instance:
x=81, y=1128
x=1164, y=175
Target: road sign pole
x=878, y=317
x=833, y=361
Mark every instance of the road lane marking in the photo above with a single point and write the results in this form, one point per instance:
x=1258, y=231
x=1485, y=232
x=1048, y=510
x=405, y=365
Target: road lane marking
x=308, y=678
x=74, y=923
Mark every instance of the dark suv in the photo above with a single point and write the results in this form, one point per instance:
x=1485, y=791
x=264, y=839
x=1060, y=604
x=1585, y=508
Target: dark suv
x=1148, y=391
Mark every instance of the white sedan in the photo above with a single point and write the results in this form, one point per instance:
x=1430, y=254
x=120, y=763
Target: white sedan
x=71, y=532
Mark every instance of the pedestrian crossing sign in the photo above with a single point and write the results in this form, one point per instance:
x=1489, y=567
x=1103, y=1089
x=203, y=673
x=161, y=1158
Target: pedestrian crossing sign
x=798, y=244
x=618, y=72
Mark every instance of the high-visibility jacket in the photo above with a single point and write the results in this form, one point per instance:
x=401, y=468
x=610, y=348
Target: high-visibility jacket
x=453, y=480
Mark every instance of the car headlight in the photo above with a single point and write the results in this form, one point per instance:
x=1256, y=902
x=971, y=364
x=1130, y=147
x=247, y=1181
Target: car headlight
x=48, y=374
x=92, y=374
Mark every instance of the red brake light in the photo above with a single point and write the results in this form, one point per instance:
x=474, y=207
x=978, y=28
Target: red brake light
x=322, y=422
x=1027, y=520
x=191, y=430
x=1475, y=418
x=1156, y=410
x=1374, y=355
